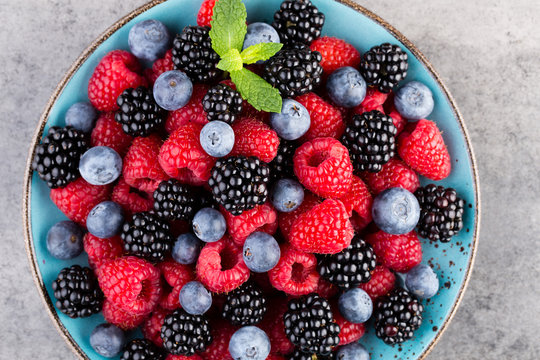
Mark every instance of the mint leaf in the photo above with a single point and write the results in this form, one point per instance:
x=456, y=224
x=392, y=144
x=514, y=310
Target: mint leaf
x=228, y=26
x=260, y=94
x=231, y=61
x=261, y=51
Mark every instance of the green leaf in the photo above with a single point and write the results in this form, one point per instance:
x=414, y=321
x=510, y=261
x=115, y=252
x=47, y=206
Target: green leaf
x=260, y=94
x=231, y=61
x=228, y=26
x=261, y=51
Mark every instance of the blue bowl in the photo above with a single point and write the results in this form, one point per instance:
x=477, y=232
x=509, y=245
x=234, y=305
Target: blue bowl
x=344, y=19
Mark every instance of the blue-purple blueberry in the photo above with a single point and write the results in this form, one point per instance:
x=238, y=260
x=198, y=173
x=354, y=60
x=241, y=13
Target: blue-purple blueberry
x=81, y=116
x=195, y=298
x=292, y=122
x=346, y=87
x=287, y=195
x=107, y=340
x=414, y=101
x=105, y=220
x=396, y=211
x=217, y=138
x=149, y=40
x=259, y=32
x=422, y=281
x=100, y=165
x=261, y=252
x=186, y=249
x=172, y=90
x=249, y=343
x=353, y=351
x=209, y=225
x=355, y=305
x=65, y=240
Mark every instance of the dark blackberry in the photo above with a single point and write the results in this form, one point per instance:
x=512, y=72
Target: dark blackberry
x=139, y=114
x=239, y=183
x=192, y=53
x=222, y=103
x=441, y=212
x=77, y=292
x=147, y=236
x=310, y=325
x=142, y=349
x=294, y=70
x=185, y=334
x=57, y=157
x=397, y=315
x=384, y=66
x=175, y=201
x=350, y=267
x=299, y=355
x=298, y=21
x=282, y=165
x=370, y=138
x=245, y=305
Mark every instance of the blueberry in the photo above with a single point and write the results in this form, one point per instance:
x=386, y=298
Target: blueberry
x=422, y=281
x=209, y=225
x=292, y=122
x=249, y=343
x=346, y=87
x=186, y=249
x=149, y=40
x=355, y=305
x=414, y=101
x=107, y=340
x=194, y=298
x=100, y=165
x=287, y=195
x=172, y=90
x=217, y=138
x=354, y=351
x=65, y=240
x=81, y=116
x=260, y=32
x=105, y=220
x=396, y=211
x=261, y=252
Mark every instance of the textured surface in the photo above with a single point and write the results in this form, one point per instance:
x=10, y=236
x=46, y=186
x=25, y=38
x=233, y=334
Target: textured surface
x=490, y=65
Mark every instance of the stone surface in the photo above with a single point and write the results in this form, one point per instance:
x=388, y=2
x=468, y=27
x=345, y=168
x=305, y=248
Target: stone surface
x=487, y=51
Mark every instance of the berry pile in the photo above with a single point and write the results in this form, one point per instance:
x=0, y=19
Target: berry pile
x=229, y=222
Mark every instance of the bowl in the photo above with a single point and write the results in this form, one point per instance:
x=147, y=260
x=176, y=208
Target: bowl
x=345, y=19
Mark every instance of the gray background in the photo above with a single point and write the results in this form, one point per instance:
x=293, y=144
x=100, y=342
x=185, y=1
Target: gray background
x=488, y=53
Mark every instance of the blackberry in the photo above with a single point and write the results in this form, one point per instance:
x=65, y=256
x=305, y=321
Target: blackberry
x=397, y=315
x=77, y=292
x=175, y=201
x=142, y=349
x=147, y=236
x=192, y=53
x=245, y=306
x=139, y=114
x=299, y=355
x=239, y=183
x=350, y=267
x=384, y=66
x=370, y=138
x=310, y=325
x=57, y=157
x=282, y=165
x=294, y=70
x=185, y=334
x=298, y=21
x=441, y=212
x=222, y=103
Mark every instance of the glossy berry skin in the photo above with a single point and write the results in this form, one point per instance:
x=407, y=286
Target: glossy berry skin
x=185, y=334
x=222, y=103
x=336, y=53
x=245, y=305
x=65, y=240
x=81, y=116
x=249, y=343
x=396, y=211
x=298, y=21
x=138, y=112
x=261, y=252
x=384, y=66
x=105, y=220
x=147, y=236
x=346, y=87
x=217, y=138
x=292, y=122
x=397, y=252
x=172, y=90
x=287, y=195
x=195, y=298
x=149, y=40
x=204, y=17
x=355, y=305
x=414, y=101
x=326, y=120
x=100, y=165
x=259, y=32
x=186, y=249
x=354, y=351
x=107, y=340
x=422, y=281
x=142, y=349
x=209, y=225
x=108, y=132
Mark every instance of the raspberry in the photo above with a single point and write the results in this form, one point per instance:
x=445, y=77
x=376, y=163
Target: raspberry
x=222, y=332
x=326, y=289
x=131, y=199
x=260, y=218
x=275, y=357
x=123, y=319
x=116, y=72
x=151, y=328
x=326, y=120
x=176, y=276
x=108, y=132
x=359, y=200
x=422, y=147
x=102, y=250
x=397, y=252
x=296, y=272
x=205, y=12
x=159, y=67
x=141, y=166
x=286, y=220
x=192, y=112
x=335, y=53
x=323, y=166
x=274, y=327
x=381, y=283
x=395, y=173
x=221, y=266
x=254, y=138
x=374, y=100
x=78, y=198
x=131, y=284
x=390, y=109
x=183, y=357
x=348, y=332
x=183, y=158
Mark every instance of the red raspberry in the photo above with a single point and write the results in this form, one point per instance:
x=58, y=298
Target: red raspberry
x=422, y=147
x=131, y=199
x=274, y=327
x=254, y=138
x=359, y=200
x=78, y=198
x=326, y=289
x=335, y=53
x=222, y=331
x=151, y=328
x=102, y=250
x=192, y=112
x=141, y=166
x=286, y=220
x=183, y=357
x=131, y=283
x=381, y=283
x=295, y=273
x=348, y=332
x=116, y=72
x=326, y=120
x=159, y=67
x=121, y=318
x=221, y=266
x=183, y=158
x=324, y=167
x=205, y=12
x=176, y=276
x=395, y=173
x=374, y=100
x=397, y=252
x=108, y=132
x=260, y=218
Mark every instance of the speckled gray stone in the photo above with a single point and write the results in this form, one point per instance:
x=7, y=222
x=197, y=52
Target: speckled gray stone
x=487, y=51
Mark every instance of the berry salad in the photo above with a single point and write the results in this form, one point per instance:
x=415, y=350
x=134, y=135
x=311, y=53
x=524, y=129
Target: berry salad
x=253, y=194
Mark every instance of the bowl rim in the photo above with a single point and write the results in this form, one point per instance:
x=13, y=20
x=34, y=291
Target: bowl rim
x=26, y=211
